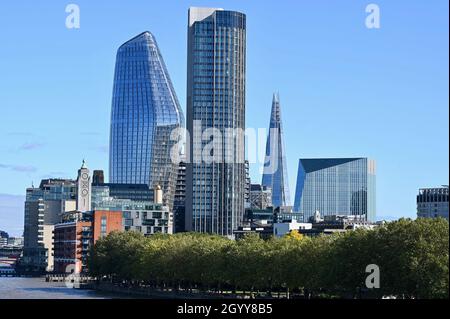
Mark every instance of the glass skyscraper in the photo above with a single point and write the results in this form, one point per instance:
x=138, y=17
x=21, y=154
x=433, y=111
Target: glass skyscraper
x=145, y=110
x=336, y=186
x=275, y=171
x=215, y=99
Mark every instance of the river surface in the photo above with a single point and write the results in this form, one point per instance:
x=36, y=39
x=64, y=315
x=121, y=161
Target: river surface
x=38, y=288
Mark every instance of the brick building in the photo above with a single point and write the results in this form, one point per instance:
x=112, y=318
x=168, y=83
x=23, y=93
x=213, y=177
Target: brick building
x=74, y=237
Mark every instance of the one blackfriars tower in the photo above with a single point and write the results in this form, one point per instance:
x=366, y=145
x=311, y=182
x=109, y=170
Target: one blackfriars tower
x=216, y=101
x=145, y=110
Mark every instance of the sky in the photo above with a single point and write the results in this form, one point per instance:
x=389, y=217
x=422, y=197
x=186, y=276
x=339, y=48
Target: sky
x=345, y=90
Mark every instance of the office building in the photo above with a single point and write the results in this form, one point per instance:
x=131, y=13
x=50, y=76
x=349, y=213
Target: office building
x=3, y=238
x=138, y=192
x=15, y=241
x=98, y=177
x=145, y=110
x=147, y=217
x=336, y=186
x=42, y=208
x=433, y=202
x=179, y=206
x=215, y=187
x=260, y=196
x=248, y=183
x=275, y=169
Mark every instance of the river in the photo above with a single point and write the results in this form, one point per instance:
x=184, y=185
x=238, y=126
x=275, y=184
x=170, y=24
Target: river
x=38, y=288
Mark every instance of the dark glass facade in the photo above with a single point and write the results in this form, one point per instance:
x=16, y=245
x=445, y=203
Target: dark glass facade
x=433, y=202
x=336, y=186
x=145, y=110
x=136, y=192
x=275, y=171
x=216, y=97
x=179, y=206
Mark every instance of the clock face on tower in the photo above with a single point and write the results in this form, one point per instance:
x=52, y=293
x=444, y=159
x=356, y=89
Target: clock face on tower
x=84, y=184
x=83, y=191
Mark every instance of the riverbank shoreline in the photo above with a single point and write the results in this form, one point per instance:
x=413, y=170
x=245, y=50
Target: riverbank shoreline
x=150, y=293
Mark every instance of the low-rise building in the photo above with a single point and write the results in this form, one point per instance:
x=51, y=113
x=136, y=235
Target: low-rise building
x=146, y=217
x=433, y=202
x=71, y=246
x=3, y=238
x=336, y=223
x=265, y=231
x=15, y=241
x=76, y=233
x=284, y=228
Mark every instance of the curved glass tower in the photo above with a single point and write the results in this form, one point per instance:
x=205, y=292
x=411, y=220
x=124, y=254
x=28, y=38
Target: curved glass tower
x=145, y=110
x=275, y=170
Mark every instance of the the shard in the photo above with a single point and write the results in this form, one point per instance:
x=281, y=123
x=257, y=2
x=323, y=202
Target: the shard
x=145, y=110
x=275, y=170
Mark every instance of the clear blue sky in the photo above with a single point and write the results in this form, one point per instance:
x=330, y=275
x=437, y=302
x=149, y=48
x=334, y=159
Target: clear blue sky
x=345, y=90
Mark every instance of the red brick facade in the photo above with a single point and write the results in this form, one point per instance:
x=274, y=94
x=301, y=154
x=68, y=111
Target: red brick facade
x=112, y=222
x=73, y=240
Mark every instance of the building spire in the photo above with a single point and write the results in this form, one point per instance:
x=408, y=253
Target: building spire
x=275, y=168
x=83, y=165
x=276, y=97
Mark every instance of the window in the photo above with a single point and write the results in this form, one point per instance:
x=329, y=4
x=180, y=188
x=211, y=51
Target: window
x=157, y=214
x=103, y=227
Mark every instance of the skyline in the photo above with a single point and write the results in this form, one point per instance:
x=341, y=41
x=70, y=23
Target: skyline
x=31, y=153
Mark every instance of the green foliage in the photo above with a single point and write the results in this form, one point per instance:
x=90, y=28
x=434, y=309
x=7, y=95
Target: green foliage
x=413, y=258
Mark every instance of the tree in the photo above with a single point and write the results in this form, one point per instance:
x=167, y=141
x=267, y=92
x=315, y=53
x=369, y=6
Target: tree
x=412, y=256
x=294, y=234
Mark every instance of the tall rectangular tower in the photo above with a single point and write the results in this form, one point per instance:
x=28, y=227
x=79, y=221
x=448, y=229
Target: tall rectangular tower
x=215, y=101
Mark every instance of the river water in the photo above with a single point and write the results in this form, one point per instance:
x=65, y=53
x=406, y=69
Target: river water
x=38, y=288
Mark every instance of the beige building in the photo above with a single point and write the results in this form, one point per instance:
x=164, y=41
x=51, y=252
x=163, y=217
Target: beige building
x=47, y=241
